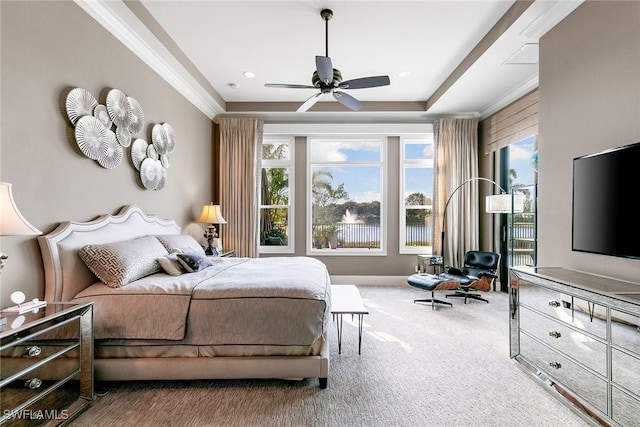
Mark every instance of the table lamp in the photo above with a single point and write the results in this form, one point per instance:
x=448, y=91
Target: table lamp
x=211, y=214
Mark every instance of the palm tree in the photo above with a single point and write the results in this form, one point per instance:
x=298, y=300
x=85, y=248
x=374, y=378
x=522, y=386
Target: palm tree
x=274, y=191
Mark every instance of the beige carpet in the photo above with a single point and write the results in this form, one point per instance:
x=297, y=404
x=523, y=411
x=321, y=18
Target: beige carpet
x=418, y=367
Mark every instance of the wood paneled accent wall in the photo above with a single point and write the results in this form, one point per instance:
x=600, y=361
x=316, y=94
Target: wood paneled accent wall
x=513, y=123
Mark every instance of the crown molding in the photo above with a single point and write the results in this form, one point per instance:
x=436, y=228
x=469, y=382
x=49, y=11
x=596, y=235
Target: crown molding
x=509, y=97
x=122, y=23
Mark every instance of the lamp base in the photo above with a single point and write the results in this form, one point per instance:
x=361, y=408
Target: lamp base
x=210, y=234
x=211, y=251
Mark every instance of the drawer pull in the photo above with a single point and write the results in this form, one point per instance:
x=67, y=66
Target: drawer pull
x=555, y=334
x=554, y=303
x=33, y=351
x=555, y=365
x=33, y=383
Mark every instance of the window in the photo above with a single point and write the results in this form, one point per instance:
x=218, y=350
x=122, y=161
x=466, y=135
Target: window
x=519, y=158
x=416, y=188
x=346, y=200
x=276, y=195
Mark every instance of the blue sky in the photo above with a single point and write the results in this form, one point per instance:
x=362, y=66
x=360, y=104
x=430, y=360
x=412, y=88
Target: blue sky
x=520, y=160
x=362, y=182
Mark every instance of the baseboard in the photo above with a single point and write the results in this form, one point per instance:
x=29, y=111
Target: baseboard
x=370, y=280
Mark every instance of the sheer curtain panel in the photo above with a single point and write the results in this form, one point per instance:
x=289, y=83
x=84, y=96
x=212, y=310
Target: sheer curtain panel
x=240, y=140
x=456, y=162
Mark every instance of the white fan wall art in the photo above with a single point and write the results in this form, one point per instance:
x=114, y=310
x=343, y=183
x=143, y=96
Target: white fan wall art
x=103, y=133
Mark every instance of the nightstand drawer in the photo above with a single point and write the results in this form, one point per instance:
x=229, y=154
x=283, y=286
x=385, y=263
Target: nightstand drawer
x=34, y=385
x=23, y=358
x=46, y=364
x=558, y=335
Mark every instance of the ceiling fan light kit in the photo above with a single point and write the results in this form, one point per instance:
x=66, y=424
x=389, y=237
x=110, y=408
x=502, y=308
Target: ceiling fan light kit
x=328, y=80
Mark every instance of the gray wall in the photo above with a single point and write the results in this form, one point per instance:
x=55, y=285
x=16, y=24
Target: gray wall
x=589, y=101
x=47, y=49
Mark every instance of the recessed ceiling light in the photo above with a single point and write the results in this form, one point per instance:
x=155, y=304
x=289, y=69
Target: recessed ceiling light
x=249, y=74
x=234, y=85
x=404, y=74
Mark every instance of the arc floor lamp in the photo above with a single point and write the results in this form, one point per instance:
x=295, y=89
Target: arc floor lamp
x=502, y=203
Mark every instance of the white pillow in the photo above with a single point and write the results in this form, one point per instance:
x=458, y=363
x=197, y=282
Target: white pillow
x=171, y=265
x=185, y=242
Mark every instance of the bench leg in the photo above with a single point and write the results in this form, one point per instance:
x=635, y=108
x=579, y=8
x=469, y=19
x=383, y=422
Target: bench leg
x=339, y=326
x=360, y=322
x=360, y=327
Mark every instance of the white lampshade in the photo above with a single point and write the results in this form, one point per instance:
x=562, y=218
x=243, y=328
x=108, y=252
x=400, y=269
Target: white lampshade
x=502, y=203
x=12, y=223
x=211, y=214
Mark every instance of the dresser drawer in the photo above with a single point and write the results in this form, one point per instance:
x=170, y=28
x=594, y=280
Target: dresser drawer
x=567, y=309
x=558, y=335
x=625, y=409
x=625, y=331
x=626, y=371
x=571, y=375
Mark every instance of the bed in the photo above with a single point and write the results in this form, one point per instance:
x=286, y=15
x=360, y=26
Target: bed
x=222, y=318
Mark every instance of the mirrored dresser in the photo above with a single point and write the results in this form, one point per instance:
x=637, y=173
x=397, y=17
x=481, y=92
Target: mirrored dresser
x=579, y=335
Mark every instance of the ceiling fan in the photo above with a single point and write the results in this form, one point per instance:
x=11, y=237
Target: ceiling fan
x=329, y=79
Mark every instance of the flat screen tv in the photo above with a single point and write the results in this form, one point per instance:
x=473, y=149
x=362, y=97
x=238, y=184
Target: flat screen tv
x=606, y=192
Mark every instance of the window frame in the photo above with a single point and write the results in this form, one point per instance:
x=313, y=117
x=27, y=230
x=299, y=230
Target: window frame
x=288, y=164
x=405, y=164
x=382, y=163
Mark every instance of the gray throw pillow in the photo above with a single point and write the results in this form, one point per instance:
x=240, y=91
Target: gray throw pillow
x=193, y=262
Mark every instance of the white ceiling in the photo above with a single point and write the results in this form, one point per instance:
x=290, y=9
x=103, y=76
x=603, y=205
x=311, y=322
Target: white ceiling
x=203, y=48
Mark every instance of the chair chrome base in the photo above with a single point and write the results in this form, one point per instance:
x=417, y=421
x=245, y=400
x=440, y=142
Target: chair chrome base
x=433, y=301
x=467, y=295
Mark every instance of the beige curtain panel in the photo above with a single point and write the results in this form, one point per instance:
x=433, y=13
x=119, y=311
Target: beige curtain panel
x=240, y=142
x=456, y=161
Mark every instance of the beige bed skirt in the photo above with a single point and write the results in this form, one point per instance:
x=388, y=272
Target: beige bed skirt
x=290, y=367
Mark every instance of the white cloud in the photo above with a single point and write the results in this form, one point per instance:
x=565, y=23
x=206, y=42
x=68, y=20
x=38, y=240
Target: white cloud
x=522, y=153
x=330, y=151
x=368, y=196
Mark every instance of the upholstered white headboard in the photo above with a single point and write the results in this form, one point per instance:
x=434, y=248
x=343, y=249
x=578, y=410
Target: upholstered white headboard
x=65, y=273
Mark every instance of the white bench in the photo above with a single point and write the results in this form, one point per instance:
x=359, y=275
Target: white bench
x=346, y=299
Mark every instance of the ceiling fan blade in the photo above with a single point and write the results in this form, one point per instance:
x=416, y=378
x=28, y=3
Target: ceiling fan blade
x=287, y=86
x=309, y=103
x=365, y=82
x=324, y=69
x=347, y=100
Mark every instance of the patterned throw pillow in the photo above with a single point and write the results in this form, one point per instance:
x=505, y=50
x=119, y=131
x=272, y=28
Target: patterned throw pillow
x=193, y=262
x=119, y=263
